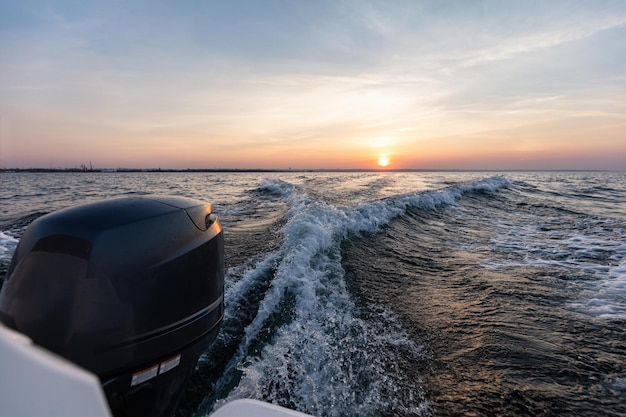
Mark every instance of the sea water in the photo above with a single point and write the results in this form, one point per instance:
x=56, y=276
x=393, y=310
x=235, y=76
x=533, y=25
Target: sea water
x=397, y=294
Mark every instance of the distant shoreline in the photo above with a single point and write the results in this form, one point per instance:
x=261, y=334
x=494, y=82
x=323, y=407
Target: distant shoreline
x=269, y=170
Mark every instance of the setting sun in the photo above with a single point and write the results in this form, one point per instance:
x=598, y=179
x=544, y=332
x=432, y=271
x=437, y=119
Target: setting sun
x=383, y=160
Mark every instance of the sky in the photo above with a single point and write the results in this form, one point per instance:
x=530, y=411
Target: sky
x=313, y=84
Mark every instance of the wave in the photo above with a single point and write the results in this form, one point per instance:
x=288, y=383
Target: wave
x=7, y=247
x=305, y=343
x=587, y=251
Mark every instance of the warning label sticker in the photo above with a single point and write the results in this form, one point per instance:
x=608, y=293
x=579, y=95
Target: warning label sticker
x=144, y=375
x=169, y=364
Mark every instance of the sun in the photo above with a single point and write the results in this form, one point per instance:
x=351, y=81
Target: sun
x=383, y=161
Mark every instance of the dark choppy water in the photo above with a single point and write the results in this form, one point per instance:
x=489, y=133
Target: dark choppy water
x=398, y=293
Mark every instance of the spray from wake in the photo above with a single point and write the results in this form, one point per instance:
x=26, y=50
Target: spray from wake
x=298, y=337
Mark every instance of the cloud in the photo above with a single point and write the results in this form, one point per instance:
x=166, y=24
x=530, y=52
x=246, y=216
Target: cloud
x=296, y=73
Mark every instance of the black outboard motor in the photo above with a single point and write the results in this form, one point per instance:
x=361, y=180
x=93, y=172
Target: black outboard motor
x=131, y=289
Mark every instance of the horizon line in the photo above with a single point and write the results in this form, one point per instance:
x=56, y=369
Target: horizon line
x=244, y=170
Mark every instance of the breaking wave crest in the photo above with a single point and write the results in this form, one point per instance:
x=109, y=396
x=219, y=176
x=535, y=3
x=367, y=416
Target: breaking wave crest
x=295, y=332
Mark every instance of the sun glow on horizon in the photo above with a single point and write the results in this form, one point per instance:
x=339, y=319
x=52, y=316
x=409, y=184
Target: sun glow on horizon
x=383, y=161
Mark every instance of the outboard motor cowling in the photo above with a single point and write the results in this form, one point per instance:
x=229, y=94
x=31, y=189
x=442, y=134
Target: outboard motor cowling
x=131, y=289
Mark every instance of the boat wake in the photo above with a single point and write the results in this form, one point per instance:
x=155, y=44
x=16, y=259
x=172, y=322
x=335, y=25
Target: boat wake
x=295, y=335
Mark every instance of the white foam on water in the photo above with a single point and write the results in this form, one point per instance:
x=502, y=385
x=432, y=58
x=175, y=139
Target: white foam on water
x=7, y=246
x=607, y=298
x=591, y=253
x=328, y=359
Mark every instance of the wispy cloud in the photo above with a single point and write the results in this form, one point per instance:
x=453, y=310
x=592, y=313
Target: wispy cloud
x=292, y=73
